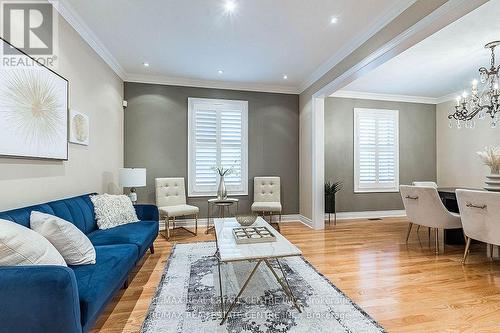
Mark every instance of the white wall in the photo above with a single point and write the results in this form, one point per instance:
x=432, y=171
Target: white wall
x=94, y=90
x=457, y=161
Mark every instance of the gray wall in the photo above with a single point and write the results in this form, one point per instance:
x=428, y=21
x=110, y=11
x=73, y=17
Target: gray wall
x=156, y=137
x=417, y=150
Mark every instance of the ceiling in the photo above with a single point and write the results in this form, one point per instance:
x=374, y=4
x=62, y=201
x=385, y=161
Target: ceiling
x=439, y=66
x=189, y=41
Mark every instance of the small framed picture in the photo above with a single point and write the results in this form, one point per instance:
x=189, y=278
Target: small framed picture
x=79, y=128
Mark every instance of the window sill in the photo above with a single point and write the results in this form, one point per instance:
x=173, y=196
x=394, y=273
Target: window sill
x=378, y=190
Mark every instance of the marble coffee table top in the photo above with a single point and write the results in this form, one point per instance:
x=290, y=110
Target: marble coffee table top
x=230, y=251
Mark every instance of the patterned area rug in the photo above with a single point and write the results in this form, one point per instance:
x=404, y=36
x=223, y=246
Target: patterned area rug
x=187, y=299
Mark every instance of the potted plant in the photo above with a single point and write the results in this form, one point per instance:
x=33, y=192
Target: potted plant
x=331, y=189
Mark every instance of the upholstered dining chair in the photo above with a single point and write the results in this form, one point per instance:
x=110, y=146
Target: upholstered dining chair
x=480, y=212
x=267, y=197
x=171, y=202
x=424, y=207
x=429, y=184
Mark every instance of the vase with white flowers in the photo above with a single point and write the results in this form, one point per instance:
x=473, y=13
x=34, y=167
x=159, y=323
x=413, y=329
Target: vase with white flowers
x=222, y=172
x=491, y=157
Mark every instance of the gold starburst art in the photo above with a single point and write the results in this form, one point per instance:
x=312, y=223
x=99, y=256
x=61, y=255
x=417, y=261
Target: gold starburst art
x=33, y=113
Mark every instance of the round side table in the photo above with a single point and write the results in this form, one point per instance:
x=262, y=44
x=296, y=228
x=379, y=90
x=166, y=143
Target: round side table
x=222, y=206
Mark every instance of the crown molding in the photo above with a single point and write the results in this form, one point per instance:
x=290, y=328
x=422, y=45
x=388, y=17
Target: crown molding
x=356, y=42
x=449, y=97
x=385, y=97
x=70, y=15
x=185, y=82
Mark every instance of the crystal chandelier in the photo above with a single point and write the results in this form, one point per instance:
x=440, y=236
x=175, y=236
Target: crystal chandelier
x=483, y=101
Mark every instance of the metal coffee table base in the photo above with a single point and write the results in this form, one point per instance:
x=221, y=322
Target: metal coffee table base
x=283, y=282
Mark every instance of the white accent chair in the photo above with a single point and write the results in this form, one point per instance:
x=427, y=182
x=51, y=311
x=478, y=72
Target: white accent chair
x=267, y=197
x=480, y=212
x=424, y=207
x=425, y=183
x=171, y=202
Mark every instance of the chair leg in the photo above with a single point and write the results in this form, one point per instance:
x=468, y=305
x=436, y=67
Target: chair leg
x=173, y=226
x=466, y=252
x=167, y=226
x=418, y=228
x=408, y=232
x=152, y=249
x=436, y=236
x=429, y=235
x=196, y=224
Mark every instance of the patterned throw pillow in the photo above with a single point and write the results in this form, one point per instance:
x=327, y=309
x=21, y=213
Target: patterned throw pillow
x=20, y=246
x=113, y=210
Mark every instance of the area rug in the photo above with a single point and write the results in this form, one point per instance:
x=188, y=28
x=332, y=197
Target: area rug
x=187, y=298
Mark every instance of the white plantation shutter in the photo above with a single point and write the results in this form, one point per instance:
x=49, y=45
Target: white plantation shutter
x=376, y=150
x=218, y=136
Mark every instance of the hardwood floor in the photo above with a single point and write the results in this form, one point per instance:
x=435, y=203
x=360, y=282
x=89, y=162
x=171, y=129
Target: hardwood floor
x=406, y=288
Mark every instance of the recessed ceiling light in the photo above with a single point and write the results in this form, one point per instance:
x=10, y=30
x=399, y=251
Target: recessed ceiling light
x=220, y=71
x=230, y=6
x=285, y=77
x=145, y=64
x=334, y=20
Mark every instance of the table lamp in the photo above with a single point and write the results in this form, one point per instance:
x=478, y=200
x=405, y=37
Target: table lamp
x=133, y=177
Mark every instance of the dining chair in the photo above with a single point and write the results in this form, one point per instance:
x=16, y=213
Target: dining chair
x=480, y=212
x=424, y=207
x=267, y=197
x=171, y=202
x=428, y=184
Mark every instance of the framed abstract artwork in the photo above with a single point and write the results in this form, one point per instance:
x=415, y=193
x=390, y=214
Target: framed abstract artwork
x=33, y=109
x=79, y=128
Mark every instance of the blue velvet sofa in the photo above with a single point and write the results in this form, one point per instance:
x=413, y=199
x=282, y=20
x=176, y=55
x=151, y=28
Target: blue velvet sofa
x=56, y=299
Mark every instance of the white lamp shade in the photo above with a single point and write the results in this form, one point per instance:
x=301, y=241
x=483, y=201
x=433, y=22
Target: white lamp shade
x=133, y=177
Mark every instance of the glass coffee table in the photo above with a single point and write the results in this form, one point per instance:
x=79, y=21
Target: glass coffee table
x=261, y=253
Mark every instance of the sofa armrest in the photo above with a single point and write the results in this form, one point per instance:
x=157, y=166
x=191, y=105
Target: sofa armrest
x=39, y=299
x=147, y=212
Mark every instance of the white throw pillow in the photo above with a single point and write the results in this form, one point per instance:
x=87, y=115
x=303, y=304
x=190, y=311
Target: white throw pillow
x=113, y=210
x=22, y=246
x=74, y=246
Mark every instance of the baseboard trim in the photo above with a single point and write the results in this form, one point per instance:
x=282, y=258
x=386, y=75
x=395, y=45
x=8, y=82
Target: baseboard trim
x=369, y=214
x=202, y=222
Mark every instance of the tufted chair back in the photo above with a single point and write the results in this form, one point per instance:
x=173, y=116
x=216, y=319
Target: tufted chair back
x=480, y=212
x=266, y=189
x=170, y=192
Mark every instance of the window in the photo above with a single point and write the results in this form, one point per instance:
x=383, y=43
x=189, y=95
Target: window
x=376, y=150
x=217, y=136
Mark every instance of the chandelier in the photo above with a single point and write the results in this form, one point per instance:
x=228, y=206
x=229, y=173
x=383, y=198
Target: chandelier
x=483, y=101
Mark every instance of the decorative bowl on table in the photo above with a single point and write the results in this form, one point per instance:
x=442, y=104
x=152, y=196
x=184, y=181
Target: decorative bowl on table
x=246, y=220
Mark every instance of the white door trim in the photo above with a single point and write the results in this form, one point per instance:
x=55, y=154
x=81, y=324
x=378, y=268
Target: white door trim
x=444, y=15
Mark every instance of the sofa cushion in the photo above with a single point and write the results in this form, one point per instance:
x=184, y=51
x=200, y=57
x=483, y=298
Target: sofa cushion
x=98, y=283
x=77, y=210
x=142, y=234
